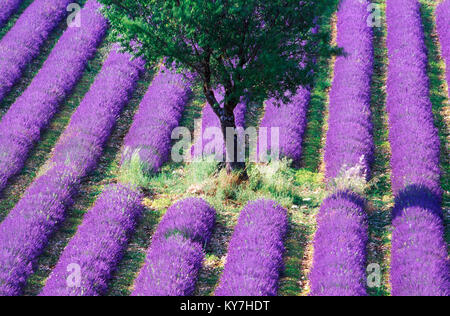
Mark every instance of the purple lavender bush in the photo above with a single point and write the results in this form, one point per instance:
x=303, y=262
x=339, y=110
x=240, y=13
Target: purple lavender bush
x=291, y=121
x=98, y=244
x=176, y=253
x=159, y=113
x=205, y=146
x=26, y=230
x=419, y=257
x=349, y=139
x=8, y=8
x=255, y=253
x=443, y=30
x=23, y=42
x=340, y=247
x=21, y=126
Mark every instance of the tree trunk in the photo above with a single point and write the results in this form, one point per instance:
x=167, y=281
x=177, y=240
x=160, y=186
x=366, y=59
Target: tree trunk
x=227, y=121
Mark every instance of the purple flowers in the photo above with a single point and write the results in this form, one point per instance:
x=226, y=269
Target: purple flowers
x=159, y=113
x=255, y=252
x=291, y=121
x=340, y=241
x=26, y=230
x=419, y=257
x=349, y=138
x=8, y=8
x=340, y=247
x=98, y=244
x=22, y=43
x=442, y=23
x=20, y=128
x=176, y=253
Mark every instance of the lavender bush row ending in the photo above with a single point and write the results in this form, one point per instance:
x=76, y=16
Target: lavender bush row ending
x=159, y=113
x=204, y=145
x=291, y=120
x=8, y=8
x=21, y=126
x=349, y=139
x=340, y=247
x=419, y=255
x=23, y=42
x=443, y=30
x=26, y=230
x=98, y=244
x=255, y=253
x=176, y=253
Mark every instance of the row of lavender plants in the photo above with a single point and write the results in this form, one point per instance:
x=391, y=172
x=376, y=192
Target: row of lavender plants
x=26, y=230
x=98, y=244
x=8, y=8
x=21, y=127
x=291, y=120
x=205, y=146
x=23, y=42
x=340, y=241
x=97, y=247
x=419, y=263
x=176, y=253
x=255, y=253
x=443, y=30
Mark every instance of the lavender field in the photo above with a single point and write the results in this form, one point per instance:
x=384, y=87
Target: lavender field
x=114, y=178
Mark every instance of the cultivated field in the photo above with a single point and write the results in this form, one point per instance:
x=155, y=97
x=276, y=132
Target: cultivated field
x=92, y=201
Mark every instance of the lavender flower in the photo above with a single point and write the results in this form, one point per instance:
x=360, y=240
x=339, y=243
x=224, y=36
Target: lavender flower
x=98, y=245
x=442, y=23
x=176, y=253
x=255, y=252
x=419, y=258
x=159, y=113
x=349, y=136
x=8, y=8
x=340, y=247
x=21, y=126
x=26, y=230
x=23, y=42
x=291, y=121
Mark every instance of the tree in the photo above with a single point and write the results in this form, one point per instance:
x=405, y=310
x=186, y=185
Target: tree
x=262, y=48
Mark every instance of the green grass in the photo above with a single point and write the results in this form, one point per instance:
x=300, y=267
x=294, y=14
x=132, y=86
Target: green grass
x=379, y=192
x=439, y=99
x=90, y=189
x=41, y=152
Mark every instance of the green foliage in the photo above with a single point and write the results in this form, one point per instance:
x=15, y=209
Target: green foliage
x=265, y=48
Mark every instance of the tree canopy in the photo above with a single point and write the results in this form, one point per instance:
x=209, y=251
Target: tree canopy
x=265, y=48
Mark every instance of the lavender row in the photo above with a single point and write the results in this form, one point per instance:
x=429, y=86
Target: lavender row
x=443, y=30
x=205, y=146
x=21, y=127
x=349, y=141
x=255, y=253
x=176, y=253
x=340, y=241
x=159, y=113
x=419, y=258
x=26, y=230
x=340, y=247
x=23, y=42
x=291, y=120
x=8, y=8
x=97, y=245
